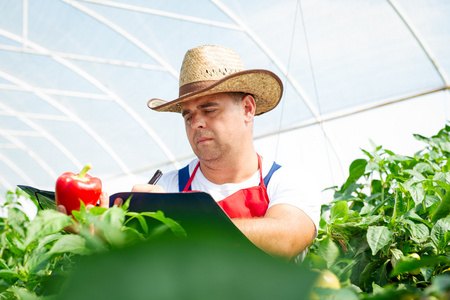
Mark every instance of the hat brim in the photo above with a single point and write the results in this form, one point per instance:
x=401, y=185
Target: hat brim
x=264, y=85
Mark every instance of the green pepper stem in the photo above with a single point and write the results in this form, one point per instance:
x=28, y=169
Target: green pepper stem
x=83, y=172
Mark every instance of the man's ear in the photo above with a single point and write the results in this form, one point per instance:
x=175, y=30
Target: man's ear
x=249, y=107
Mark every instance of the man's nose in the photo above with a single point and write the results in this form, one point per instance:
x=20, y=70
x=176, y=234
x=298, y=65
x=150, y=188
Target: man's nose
x=198, y=121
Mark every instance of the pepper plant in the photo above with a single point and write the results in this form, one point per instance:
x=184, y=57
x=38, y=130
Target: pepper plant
x=36, y=255
x=385, y=234
x=387, y=231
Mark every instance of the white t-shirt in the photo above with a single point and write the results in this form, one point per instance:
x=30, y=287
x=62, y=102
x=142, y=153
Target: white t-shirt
x=283, y=188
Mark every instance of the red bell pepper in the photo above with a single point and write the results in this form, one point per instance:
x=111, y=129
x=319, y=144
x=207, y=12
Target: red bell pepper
x=71, y=188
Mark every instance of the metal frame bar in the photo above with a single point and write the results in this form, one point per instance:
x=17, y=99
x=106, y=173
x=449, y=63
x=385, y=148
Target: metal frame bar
x=166, y=14
x=44, y=133
x=420, y=40
x=85, y=58
x=32, y=154
x=6, y=184
x=71, y=116
x=110, y=94
x=24, y=23
x=12, y=87
x=271, y=56
x=16, y=169
x=315, y=112
x=358, y=110
x=125, y=34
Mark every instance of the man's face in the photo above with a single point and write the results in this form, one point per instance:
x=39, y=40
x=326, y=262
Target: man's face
x=214, y=124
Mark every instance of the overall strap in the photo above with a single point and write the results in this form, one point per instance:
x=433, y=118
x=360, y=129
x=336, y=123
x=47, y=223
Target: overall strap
x=183, y=178
x=275, y=167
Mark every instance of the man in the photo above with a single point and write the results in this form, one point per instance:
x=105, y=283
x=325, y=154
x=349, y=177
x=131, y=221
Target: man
x=218, y=100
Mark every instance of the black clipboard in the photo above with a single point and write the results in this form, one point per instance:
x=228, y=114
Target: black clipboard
x=197, y=212
x=46, y=199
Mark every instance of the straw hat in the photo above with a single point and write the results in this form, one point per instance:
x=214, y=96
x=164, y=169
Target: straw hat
x=210, y=70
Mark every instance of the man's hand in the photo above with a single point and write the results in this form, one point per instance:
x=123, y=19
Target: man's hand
x=284, y=231
x=103, y=202
x=74, y=228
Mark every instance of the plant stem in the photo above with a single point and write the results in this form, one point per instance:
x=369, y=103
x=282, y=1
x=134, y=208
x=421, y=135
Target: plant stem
x=83, y=172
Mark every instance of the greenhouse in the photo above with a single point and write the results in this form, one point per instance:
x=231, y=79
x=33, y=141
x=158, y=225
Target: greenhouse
x=363, y=119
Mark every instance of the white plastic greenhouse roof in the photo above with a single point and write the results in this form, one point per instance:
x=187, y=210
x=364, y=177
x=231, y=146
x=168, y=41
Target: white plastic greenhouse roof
x=75, y=77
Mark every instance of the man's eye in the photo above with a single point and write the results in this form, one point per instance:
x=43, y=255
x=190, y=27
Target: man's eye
x=210, y=111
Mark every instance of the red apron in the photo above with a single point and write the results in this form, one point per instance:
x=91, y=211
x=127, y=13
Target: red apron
x=246, y=203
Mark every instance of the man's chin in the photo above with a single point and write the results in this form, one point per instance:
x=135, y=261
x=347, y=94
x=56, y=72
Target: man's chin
x=207, y=157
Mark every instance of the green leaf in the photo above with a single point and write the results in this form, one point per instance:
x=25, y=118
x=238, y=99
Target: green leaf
x=409, y=264
x=48, y=239
x=378, y=237
x=175, y=227
x=427, y=273
x=369, y=220
x=423, y=167
x=97, y=210
x=397, y=255
x=37, y=261
x=439, y=285
x=114, y=216
x=420, y=232
x=356, y=170
x=380, y=205
x=416, y=191
x=347, y=193
x=24, y=294
x=16, y=220
x=80, y=214
x=422, y=138
x=415, y=217
x=337, y=294
x=366, y=276
x=70, y=243
x=398, y=157
x=367, y=209
x=143, y=223
x=431, y=200
x=3, y=265
x=440, y=233
x=415, y=174
x=399, y=208
x=442, y=176
x=445, y=146
x=443, y=208
x=9, y=274
x=376, y=288
x=381, y=275
x=339, y=210
x=315, y=261
x=132, y=235
x=328, y=250
x=95, y=242
x=46, y=222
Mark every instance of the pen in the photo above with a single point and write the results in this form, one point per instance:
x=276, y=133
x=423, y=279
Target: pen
x=155, y=177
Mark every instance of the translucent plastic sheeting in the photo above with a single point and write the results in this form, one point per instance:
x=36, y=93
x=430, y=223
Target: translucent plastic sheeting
x=75, y=77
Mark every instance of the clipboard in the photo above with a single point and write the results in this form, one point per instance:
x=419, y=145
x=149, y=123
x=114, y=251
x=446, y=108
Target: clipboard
x=197, y=212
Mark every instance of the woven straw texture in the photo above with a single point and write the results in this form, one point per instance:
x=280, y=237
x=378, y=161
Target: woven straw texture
x=214, y=69
x=209, y=63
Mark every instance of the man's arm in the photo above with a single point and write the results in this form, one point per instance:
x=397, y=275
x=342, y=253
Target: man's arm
x=284, y=231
